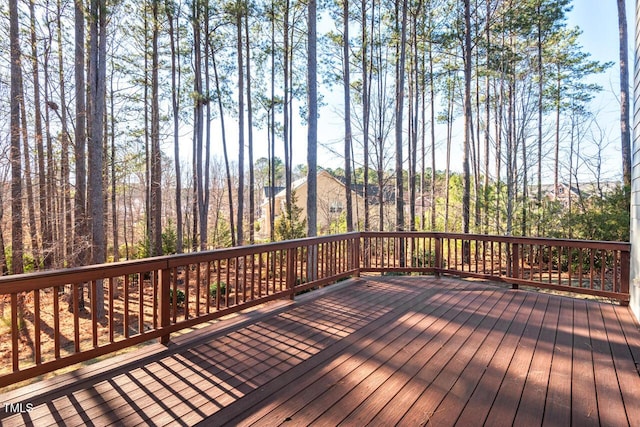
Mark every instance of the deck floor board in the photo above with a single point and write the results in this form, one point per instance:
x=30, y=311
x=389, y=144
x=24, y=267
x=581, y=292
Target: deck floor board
x=405, y=350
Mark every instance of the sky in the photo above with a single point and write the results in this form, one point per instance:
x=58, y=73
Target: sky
x=598, y=20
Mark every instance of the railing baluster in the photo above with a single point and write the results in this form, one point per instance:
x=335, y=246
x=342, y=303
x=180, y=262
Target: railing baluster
x=198, y=277
x=569, y=266
x=165, y=303
x=111, y=310
x=280, y=269
x=207, y=285
x=539, y=255
x=56, y=323
x=187, y=285
x=484, y=257
x=15, y=330
x=258, y=273
x=236, y=281
x=94, y=313
x=253, y=277
x=615, y=284
x=244, y=278
x=500, y=259
x=493, y=258
x=559, y=266
x=77, y=290
x=591, y=267
x=219, y=285
x=580, y=266
x=438, y=260
x=125, y=317
x=36, y=324
x=141, y=302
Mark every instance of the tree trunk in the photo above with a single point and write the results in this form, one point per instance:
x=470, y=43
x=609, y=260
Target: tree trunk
x=206, y=196
x=4, y=268
x=198, y=119
x=414, y=96
x=487, y=133
x=625, y=132
x=80, y=194
x=540, y=106
x=65, y=236
x=17, y=266
x=272, y=129
x=45, y=220
x=467, y=125
x=365, y=111
x=399, y=107
x=156, y=160
x=346, y=82
x=556, y=167
x=447, y=175
x=252, y=203
x=174, y=44
x=224, y=149
x=114, y=184
x=432, y=110
x=312, y=130
x=287, y=100
x=97, y=89
x=240, y=200
x=31, y=211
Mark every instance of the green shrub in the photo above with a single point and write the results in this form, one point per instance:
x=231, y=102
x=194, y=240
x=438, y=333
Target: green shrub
x=169, y=239
x=180, y=297
x=213, y=289
x=426, y=259
x=290, y=225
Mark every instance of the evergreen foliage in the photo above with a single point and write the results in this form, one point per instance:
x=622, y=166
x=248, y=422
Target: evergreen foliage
x=289, y=225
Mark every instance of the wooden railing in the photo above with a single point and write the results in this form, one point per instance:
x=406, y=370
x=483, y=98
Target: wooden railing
x=150, y=299
x=49, y=328
x=586, y=267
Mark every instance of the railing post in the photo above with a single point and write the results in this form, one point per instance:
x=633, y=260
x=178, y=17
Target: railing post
x=438, y=257
x=624, y=274
x=291, y=272
x=165, y=303
x=515, y=263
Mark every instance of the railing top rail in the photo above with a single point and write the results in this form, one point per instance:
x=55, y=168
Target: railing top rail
x=587, y=244
x=45, y=279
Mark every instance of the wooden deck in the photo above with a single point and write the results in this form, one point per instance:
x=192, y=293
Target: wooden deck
x=379, y=351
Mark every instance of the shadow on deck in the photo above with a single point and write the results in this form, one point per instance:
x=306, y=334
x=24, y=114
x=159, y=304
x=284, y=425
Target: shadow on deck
x=405, y=350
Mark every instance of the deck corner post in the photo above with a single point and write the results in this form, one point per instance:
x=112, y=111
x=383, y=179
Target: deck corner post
x=291, y=272
x=625, y=272
x=165, y=303
x=357, y=263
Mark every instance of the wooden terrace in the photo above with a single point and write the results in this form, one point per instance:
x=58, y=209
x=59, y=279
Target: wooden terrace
x=371, y=350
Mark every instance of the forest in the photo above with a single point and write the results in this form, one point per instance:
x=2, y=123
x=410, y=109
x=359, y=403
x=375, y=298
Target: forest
x=140, y=128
